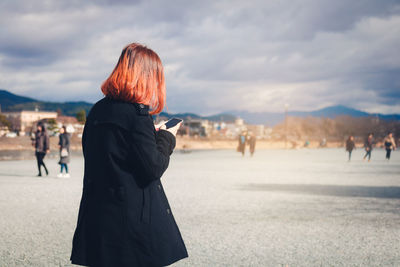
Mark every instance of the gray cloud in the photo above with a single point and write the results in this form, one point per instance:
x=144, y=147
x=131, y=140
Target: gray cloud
x=218, y=55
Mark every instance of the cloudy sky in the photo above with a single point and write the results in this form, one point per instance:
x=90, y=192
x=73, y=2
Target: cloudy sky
x=218, y=55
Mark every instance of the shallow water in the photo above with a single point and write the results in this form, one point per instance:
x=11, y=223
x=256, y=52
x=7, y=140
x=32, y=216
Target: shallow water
x=305, y=207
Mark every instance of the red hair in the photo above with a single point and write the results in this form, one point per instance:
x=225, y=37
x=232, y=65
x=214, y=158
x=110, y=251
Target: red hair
x=137, y=77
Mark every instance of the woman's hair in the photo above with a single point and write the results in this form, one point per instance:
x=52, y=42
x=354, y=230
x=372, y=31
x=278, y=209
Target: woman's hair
x=65, y=128
x=137, y=77
x=41, y=124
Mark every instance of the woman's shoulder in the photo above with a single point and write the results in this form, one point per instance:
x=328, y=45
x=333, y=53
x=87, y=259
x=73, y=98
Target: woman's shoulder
x=110, y=105
x=119, y=112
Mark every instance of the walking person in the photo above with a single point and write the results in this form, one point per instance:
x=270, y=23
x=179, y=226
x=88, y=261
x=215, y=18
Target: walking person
x=350, y=145
x=368, y=146
x=242, y=143
x=63, y=144
x=390, y=145
x=124, y=218
x=42, y=147
x=252, y=143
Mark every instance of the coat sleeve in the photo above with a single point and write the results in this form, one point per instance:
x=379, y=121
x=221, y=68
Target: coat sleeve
x=46, y=142
x=151, y=149
x=84, y=137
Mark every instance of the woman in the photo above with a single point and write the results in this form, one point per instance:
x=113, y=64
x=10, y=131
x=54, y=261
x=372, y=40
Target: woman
x=350, y=145
x=63, y=144
x=368, y=146
x=42, y=146
x=242, y=143
x=252, y=143
x=390, y=145
x=124, y=216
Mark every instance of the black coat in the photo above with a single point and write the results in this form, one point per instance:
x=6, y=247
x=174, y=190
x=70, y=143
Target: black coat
x=350, y=145
x=63, y=142
x=124, y=216
x=369, y=142
x=42, y=142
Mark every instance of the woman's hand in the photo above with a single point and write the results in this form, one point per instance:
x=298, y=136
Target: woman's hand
x=172, y=130
x=158, y=125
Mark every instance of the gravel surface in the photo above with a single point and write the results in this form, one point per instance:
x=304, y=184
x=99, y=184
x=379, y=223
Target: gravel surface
x=279, y=208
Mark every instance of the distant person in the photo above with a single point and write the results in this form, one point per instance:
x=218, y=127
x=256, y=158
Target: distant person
x=368, y=146
x=350, y=145
x=390, y=145
x=124, y=218
x=242, y=143
x=306, y=143
x=63, y=144
x=323, y=142
x=42, y=147
x=252, y=143
x=294, y=144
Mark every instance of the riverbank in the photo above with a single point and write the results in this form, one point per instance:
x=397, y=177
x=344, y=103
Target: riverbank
x=196, y=144
x=23, y=143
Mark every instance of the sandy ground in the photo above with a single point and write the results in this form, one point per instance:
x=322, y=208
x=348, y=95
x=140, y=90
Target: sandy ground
x=279, y=208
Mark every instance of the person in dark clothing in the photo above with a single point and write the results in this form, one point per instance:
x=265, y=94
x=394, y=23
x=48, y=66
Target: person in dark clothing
x=390, y=145
x=350, y=145
x=124, y=217
x=42, y=146
x=242, y=143
x=63, y=144
x=368, y=146
x=252, y=143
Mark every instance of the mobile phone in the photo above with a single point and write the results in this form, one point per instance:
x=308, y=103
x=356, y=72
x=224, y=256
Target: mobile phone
x=172, y=122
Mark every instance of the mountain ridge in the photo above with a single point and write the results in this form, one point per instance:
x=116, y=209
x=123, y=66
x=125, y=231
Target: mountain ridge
x=13, y=102
x=273, y=118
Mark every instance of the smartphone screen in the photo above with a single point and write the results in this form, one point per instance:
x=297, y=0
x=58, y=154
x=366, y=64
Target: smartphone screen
x=172, y=122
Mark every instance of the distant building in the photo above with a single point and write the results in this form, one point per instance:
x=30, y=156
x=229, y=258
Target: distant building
x=63, y=120
x=196, y=127
x=71, y=123
x=229, y=129
x=239, y=122
x=22, y=121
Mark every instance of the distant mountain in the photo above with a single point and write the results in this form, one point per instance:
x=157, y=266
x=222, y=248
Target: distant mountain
x=265, y=118
x=179, y=115
x=12, y=102
x=218, y=117
x=8, y=99
x=222, y=117
x=273, y=118
x=331, y=112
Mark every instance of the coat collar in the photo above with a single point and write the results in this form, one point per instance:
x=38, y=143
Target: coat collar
x=142, y=108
